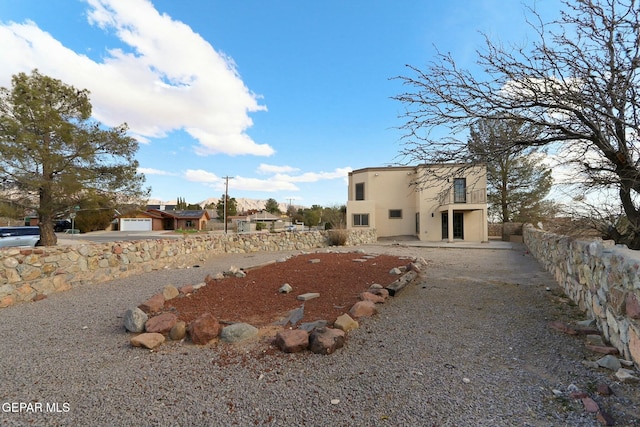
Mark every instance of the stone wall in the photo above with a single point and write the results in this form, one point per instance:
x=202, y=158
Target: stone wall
x=601, y=278
x=31, y=273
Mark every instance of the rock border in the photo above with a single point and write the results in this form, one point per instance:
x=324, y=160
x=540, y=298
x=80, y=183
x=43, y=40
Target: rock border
x=319, y=338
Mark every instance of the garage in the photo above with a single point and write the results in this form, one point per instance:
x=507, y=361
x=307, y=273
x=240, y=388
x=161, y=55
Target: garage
x=135, y=224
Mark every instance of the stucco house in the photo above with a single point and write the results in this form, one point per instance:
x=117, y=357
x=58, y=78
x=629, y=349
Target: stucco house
x=433, y=202
x=157, y=220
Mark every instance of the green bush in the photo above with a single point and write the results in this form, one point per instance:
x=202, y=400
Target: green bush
x=260, y=226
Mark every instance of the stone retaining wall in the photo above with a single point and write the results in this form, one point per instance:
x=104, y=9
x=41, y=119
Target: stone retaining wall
x=31, y=273
x=602, y=278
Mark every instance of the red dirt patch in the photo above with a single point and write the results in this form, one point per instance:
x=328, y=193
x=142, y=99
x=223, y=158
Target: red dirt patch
x=255, y=299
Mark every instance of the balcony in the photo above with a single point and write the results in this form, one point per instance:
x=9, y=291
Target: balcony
x=463, y=196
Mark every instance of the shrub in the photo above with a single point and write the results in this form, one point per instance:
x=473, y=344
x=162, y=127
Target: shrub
x=338, y=237
x=260, y=226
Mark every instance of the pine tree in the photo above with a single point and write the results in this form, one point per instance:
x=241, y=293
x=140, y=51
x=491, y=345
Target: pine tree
x=517, y=180
x=52, y=153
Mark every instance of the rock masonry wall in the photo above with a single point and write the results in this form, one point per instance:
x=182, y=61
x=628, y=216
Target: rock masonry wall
x=28, y=274
x=601, y=278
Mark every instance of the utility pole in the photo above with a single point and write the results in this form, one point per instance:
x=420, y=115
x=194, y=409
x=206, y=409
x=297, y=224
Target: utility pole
x=226, y=196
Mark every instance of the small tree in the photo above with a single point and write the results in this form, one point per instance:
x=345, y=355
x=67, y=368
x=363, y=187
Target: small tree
x=11, y=210
x=232, y=207
x=291, y=211
x=313, y=216
x=181, y=204
x=95, y=214
x=272, y=207
x=298, y=216
x=335, y=217
x=52, y=154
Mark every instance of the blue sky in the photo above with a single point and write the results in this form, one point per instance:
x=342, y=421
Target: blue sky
x=285, y=96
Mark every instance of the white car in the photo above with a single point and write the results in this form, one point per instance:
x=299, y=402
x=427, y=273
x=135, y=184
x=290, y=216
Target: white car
x=19, y=236
x=290, y=228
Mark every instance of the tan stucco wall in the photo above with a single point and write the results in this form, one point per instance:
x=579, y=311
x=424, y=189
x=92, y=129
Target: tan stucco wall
x=394, y=188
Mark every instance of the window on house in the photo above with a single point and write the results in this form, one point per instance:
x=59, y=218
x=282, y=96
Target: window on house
x=360, y=191
x=460, y=190
x=395, y=213
x=189, y=224
x=360, y=220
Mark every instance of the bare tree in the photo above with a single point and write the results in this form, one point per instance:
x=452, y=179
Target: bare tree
x=578, y=82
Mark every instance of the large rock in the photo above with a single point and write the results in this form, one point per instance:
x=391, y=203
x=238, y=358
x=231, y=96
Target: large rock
x=412, y=266
x=293, y=317
x=153, y=304
x=381, y=292
x=161, y=323
x=610, y=362
x=204, y=329
x=170, y=292
x=363, y=309
x=187, y=289
x=369, y=296
x=345, y=323
x=632, y=306
x=292, y=340
x=310, y=326
x=326, y=340
x=178, y=331
x=285, y=288
x=134, y=320
x=147, y=340
x=238, y=332
x=308, y=296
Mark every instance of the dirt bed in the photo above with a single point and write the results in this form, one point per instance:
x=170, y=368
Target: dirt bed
x=339, y=278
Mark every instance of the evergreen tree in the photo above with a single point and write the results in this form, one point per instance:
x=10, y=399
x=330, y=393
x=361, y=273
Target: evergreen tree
x=272, y=207
x=517, y=180
x=232, y=207
x=52, y=154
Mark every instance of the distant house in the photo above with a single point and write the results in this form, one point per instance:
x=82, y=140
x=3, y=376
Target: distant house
x=158, y=220
x=400, y=201
x=162, y=207
x=264, y=216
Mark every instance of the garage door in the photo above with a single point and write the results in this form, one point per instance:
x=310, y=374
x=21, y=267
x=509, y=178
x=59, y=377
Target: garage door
x=135, y=224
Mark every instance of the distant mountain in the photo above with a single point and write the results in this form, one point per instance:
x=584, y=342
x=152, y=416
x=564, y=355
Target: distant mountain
x=243, y=204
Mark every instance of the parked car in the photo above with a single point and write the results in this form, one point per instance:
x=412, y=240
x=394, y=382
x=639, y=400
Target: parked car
x=19, y=236
x=290, y=228
x=62, y=225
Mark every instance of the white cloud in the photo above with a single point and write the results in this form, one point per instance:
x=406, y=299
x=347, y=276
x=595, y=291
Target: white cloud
x=237, y=183
x=277, y=182
x=255, y=184
x=152, y=171
x=269, y=169
x=199, y=175
x=315, y=176
x=171, y=79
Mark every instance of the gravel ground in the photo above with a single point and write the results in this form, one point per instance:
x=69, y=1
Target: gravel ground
x=468, y=346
